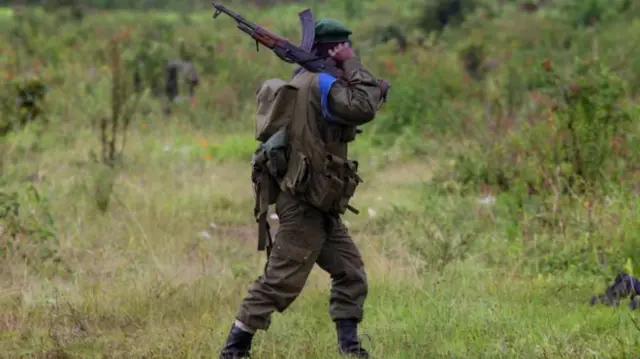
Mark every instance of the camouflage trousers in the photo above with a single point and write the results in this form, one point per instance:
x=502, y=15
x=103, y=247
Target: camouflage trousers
x=306, y=237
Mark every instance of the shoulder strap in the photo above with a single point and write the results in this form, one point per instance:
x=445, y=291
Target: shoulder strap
x=302, y=127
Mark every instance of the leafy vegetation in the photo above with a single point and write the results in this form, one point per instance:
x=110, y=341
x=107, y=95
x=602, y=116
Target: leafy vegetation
x=501, y=179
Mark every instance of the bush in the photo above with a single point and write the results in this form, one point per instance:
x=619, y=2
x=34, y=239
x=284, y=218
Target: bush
x=21, y=102
x=591, y=12
x=27, y=226
x=437, y=14
x=580, y=143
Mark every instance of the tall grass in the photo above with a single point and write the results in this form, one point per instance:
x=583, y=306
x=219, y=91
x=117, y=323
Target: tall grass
x=501, y=186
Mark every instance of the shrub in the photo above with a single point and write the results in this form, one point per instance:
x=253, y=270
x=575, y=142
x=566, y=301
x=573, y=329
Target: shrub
x=27, y=226
x=578, y=143
x=590, y=12
x=437, y=14
x=21, y=102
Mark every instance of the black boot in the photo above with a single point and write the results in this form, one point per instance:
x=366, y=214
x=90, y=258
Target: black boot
x=238, y=344
x=348, y=340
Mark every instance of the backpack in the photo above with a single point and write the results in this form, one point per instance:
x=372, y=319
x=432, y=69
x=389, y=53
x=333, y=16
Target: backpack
x=276, y=103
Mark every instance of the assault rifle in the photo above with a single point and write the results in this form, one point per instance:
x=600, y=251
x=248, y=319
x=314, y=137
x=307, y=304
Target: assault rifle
x=288, y=52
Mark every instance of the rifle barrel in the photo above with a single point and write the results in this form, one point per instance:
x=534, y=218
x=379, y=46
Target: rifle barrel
x=221, y=9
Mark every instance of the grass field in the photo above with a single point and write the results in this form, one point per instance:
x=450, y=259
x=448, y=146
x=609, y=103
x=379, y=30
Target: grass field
x=455, y=271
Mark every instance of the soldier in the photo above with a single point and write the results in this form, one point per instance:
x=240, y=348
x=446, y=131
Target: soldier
x=175, y=69
x=315, y=190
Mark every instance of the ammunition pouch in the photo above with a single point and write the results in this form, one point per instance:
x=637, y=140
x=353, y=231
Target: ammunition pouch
x=331, y=190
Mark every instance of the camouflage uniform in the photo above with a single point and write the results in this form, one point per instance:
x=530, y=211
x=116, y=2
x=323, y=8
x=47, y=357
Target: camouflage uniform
x=311, y=231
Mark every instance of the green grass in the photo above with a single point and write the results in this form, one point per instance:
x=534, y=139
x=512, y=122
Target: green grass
x=142, y=280
x=161, y=273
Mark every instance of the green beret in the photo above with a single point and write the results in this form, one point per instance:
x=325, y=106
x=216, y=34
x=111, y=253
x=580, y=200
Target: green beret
x=329, y=30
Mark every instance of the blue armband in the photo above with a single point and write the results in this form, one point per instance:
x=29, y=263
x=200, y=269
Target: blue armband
x=325, y=81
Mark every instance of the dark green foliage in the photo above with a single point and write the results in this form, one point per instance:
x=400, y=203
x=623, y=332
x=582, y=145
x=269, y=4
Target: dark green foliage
x=66, y=9
x=437, y=14
x=591, y=12
x=21, y=102
x=393, y=32
x=579, y=146
x=149, y=64
x=592, y=111
x=27, y=226
x=351, y=8
x=473, y=58
x=151, y=52
x=137, y=5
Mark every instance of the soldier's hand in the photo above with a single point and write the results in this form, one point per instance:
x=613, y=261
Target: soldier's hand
x=342, y=52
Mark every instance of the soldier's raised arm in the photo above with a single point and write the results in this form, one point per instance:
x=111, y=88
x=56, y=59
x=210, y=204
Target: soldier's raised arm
x=354, y=99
